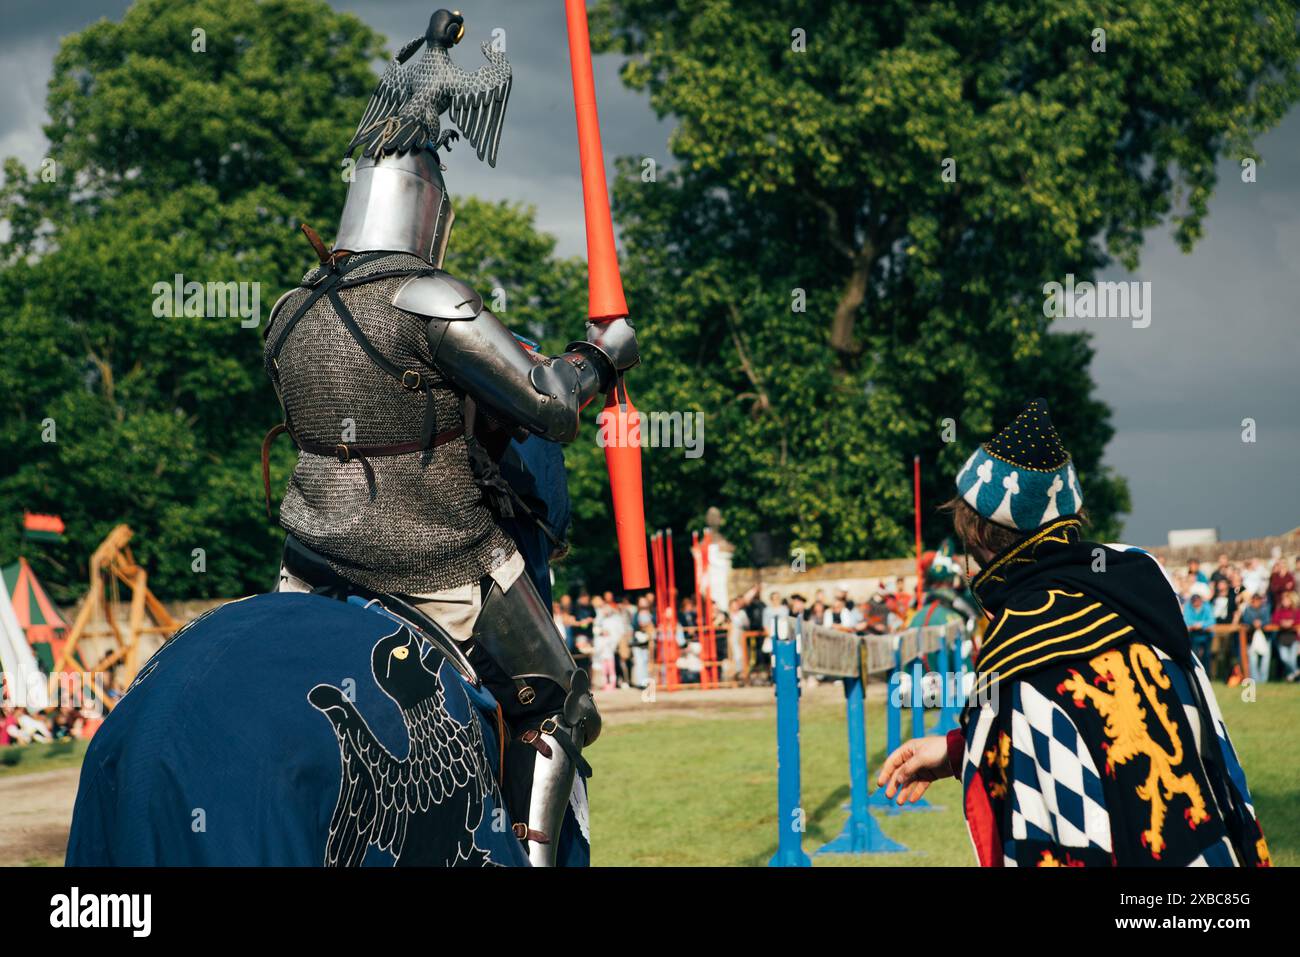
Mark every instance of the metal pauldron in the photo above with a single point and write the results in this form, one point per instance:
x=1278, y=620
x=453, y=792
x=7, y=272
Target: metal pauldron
x=441, y=296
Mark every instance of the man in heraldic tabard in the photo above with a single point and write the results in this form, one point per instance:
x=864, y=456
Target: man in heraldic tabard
x=1092, y=736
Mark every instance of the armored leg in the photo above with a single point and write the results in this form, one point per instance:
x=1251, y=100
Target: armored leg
x=548, y=797
x=549, y=704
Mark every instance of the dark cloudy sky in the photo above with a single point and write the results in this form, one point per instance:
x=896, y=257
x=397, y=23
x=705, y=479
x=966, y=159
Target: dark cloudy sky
x=1224, y=339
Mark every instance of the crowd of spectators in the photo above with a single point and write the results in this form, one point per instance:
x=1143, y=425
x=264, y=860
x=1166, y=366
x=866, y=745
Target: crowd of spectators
x=612, y=633
x=881, y=613
x=19, y=726
x=1260, y=596
x=884, y=610
x=615, y=634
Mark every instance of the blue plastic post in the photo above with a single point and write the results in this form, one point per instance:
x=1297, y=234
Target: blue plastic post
x=947, y=697
x=861, y=834
x=893, y=728
x=918, y=726
x=963, y=662
x=790, y=821
x=918, y=699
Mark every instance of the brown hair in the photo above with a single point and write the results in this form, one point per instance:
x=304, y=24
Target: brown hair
x=976, y=531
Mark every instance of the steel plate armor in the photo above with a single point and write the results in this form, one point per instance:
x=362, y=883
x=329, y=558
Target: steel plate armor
x=401, y=391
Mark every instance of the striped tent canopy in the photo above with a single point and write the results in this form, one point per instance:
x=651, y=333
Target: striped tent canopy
x=40, y=620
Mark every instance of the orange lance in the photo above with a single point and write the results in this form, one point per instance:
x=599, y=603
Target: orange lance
x=605, y=304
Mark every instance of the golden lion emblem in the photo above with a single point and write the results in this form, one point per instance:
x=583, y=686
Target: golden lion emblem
x=1122, y=707
x=998, y=757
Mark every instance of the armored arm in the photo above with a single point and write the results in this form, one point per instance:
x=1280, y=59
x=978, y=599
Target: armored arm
x=472, y=348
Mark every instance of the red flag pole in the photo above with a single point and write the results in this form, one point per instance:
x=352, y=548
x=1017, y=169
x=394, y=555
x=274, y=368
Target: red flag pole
x=656, y=585
x=710, y=646
x=695, y=572
x=605, y=303
x=661, y=605
x=671, y=657
x=916, y=498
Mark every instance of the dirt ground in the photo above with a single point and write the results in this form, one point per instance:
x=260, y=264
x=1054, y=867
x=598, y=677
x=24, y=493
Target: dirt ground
x=35, y=810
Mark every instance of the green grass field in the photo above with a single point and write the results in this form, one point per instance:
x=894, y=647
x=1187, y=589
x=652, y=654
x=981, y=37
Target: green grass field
x=25, y=759
x=701, y=790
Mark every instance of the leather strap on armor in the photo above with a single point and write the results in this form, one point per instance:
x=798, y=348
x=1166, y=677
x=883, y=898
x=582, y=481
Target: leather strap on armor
x=347, y=453
x=565, y=741
x=267, y=441
x=526, y=833
x=326, y=257
x=533, y=738
x=335, y=277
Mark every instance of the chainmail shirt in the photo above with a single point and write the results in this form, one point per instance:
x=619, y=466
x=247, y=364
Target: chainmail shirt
x=424, y=527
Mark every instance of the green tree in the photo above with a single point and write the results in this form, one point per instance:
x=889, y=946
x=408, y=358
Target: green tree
x=198, y=155
x=811, y=147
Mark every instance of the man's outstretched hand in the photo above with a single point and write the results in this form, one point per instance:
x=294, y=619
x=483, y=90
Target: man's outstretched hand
x=909, y=771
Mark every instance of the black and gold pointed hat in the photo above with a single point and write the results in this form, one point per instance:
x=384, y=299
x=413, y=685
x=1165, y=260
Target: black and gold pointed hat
x=1023, y=476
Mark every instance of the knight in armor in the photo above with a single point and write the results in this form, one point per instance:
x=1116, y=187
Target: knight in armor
x=945, y=597
x=402, y=394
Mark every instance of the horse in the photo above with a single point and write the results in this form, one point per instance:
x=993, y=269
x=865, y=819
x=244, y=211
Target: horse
x=299, y=730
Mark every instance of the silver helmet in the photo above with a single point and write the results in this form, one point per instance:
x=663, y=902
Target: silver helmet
x=397, y=203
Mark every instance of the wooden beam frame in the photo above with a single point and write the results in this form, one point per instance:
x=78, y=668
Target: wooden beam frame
x=112, y=563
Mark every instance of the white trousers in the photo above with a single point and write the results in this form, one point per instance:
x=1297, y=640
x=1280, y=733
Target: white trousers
x=454, y=609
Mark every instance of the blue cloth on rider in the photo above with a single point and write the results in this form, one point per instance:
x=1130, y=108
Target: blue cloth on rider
x=216, y=757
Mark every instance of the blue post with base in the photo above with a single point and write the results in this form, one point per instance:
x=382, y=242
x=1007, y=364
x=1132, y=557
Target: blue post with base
x=861, y=834
x=949, y=695
x=894, y=715
x=893, y=727
x=918, y=724
x=918, y=699
x=790, y=822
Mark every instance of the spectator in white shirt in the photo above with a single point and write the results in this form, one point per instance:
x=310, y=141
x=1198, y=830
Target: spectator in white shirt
x=1255, y=577
x=31, y=729
x=839, y=617
x=773, y=610
x=606, y=632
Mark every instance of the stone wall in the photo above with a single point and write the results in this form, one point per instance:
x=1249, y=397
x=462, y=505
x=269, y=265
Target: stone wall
x=860, y=578
x=1261, y=548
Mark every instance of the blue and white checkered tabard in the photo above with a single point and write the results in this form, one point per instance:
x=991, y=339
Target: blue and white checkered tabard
x=1056, y=794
